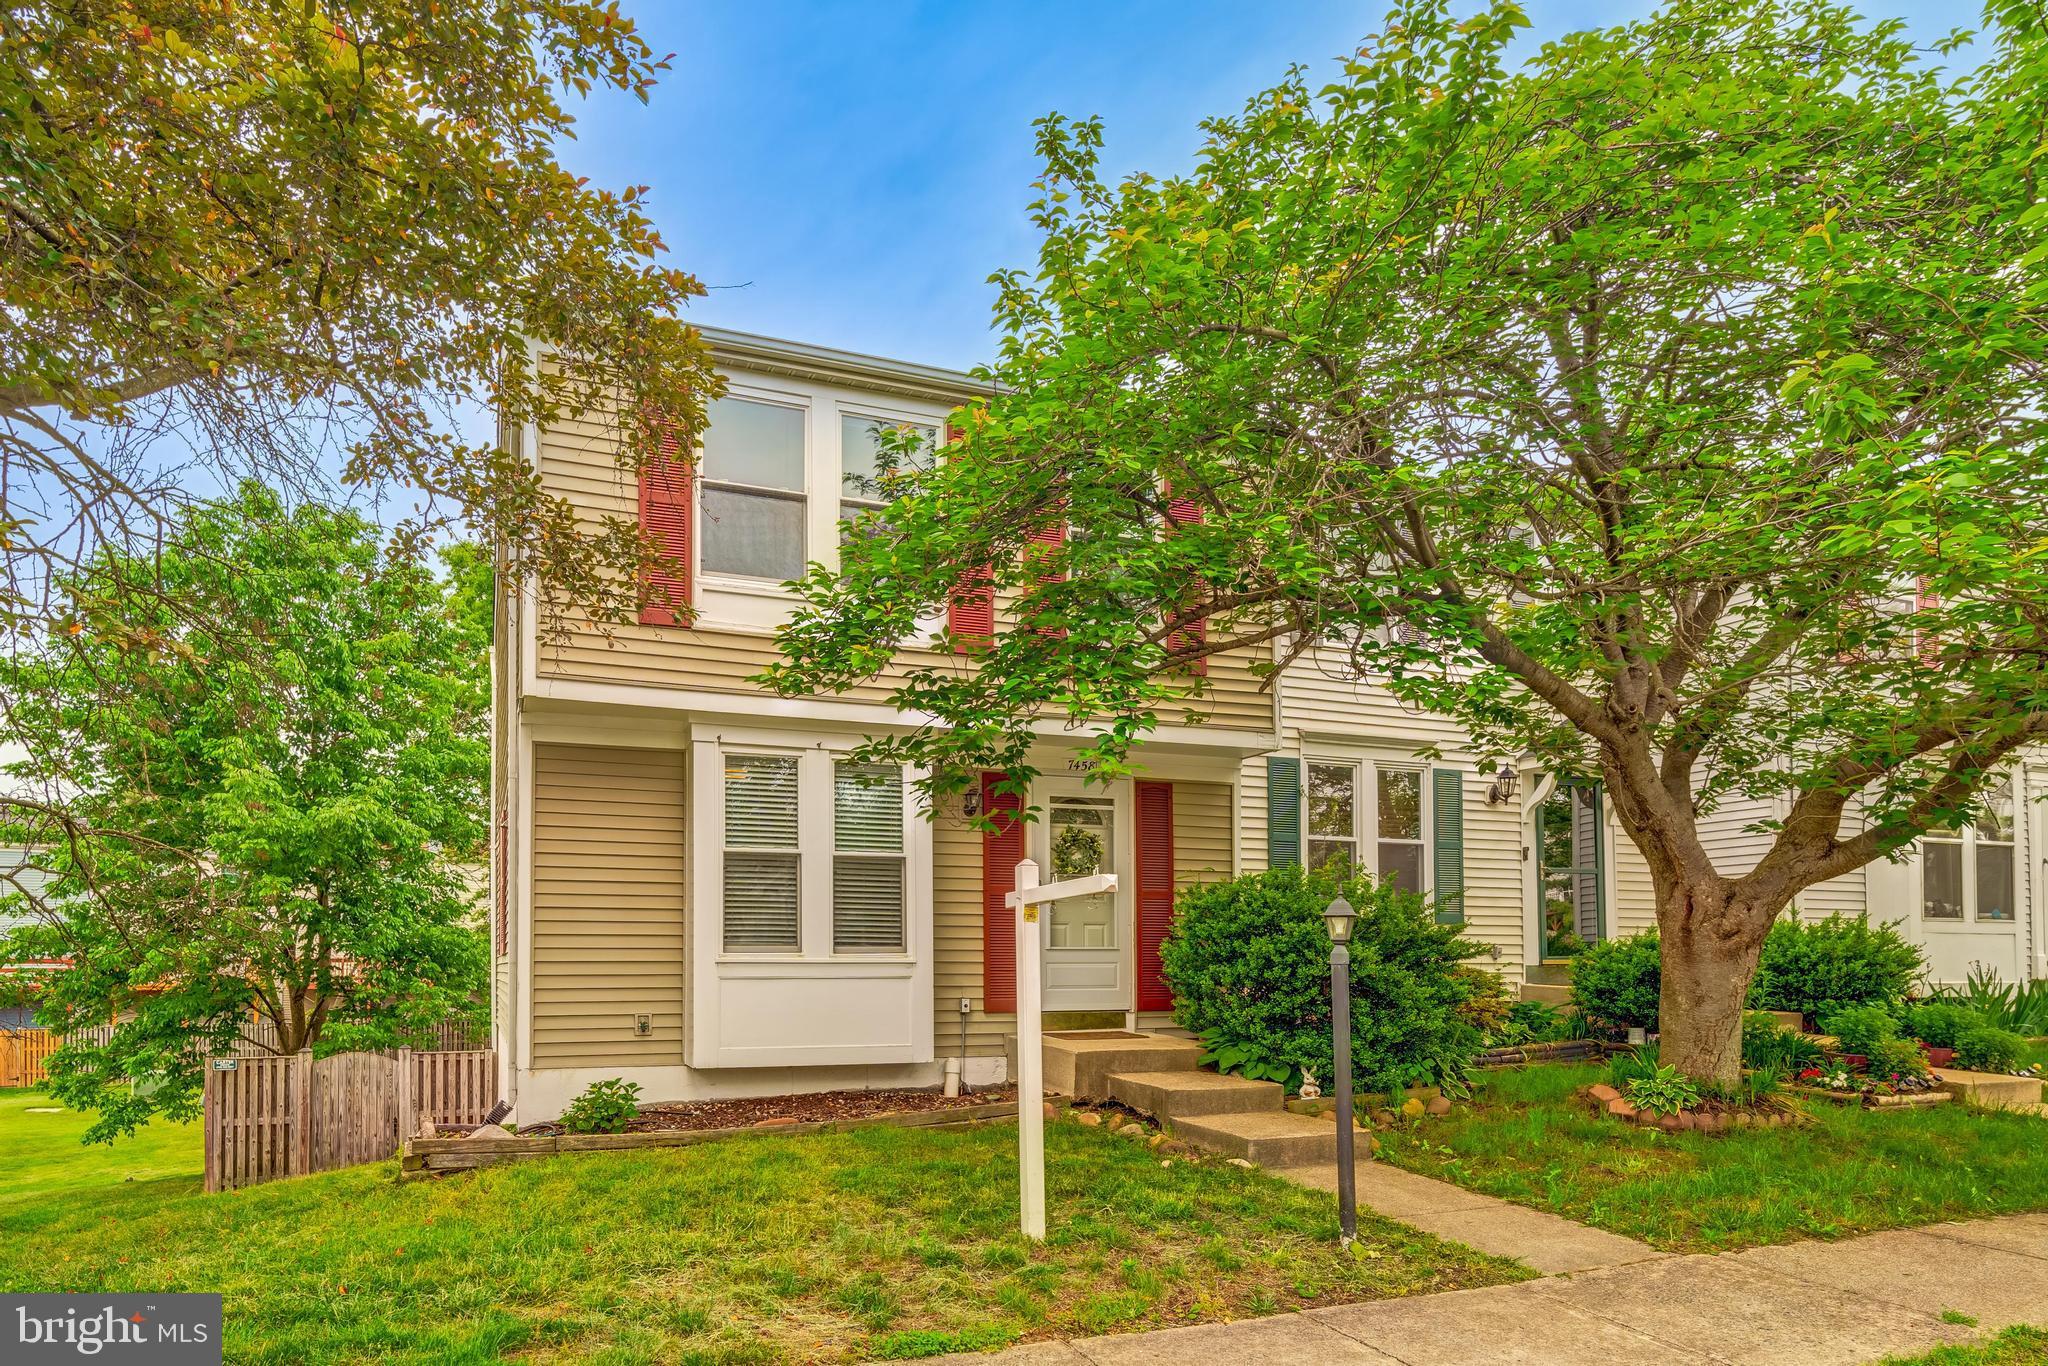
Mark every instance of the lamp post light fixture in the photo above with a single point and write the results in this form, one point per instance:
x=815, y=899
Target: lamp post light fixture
x=1502, y=789
x=1338, y=917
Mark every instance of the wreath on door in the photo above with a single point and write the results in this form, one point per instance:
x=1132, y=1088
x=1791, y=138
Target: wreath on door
x=1076, y=852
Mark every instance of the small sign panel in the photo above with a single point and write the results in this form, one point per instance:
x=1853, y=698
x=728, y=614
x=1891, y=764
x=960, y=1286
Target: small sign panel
x=225, y=1064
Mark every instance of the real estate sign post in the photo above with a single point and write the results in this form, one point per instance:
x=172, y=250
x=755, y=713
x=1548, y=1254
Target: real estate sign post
x=1028, y=897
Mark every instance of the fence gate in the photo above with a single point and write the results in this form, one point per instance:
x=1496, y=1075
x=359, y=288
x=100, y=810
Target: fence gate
x=22, y=1054
x=268, y=1117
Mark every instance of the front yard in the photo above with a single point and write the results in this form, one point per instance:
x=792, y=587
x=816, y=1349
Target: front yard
x=877, y=1241
x=1526, y=1137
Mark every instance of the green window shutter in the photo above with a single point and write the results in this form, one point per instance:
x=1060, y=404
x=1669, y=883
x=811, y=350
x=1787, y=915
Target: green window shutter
x=1448, y=832
x=1283, y=813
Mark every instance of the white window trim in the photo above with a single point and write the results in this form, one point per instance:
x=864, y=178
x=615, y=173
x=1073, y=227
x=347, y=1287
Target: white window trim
x=732, y=601
x=1967, y=839
x=716, y=580
x=828, y=1008
x=1365, y=807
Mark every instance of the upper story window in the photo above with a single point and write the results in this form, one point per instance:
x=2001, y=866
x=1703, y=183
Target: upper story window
x=867, y=452
x=1969, y=872
x=1379, y=830
x=753, y=514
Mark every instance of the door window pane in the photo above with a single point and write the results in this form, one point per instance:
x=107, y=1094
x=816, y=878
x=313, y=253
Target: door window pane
x=1942, y=886
x=758, y=444
x=1082, y=833
x=1994, y=881
x=757, y=535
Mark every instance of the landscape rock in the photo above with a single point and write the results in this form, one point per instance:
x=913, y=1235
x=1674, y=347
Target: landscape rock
x=1439, y=1105
x=1412, y=1108
x=1089, y=1118
x=1051, y=1111
x=1383, y=1116
x=1604, y=1093
x=1240, y=1162
x=489, y=1131
x=1621, y=1109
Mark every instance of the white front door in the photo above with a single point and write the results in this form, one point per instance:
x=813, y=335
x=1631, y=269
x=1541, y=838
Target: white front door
x=1081, y=830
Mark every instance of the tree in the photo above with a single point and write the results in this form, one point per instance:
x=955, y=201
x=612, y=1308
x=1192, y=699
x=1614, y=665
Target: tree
x=284, y=826
x=1682, y=389
x=306, y=245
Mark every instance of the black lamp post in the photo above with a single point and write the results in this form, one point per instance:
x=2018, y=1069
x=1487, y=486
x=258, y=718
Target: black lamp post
x=1338, y=916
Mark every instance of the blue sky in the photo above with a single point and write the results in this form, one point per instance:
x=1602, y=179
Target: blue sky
x=850, y=174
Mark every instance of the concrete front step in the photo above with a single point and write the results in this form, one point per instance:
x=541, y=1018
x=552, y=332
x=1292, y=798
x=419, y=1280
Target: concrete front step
x=1180, y=1095
x=1078, y=1062
x=1271, y=1138
x=1990, y=1088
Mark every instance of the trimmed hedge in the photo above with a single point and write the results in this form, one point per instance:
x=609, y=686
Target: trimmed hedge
x=1249, y=964
x=1616, y=981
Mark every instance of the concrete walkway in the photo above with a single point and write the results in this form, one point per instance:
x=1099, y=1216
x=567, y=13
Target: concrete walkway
x=1546, y=1242
x=1800, y=1304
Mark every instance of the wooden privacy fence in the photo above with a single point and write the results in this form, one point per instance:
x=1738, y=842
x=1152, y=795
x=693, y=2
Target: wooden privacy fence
x=22, y=1055
x=268, y=1117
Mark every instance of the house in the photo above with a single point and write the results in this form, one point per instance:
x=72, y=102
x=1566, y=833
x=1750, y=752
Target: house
x=695, y=888
x=1541, y=866
x=698, y=890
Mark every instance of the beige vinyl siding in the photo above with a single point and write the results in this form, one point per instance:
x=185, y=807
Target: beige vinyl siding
x=956, y=938
x=1201, y=834
x=578, y=461
x=1323, y=707
x=609, y=905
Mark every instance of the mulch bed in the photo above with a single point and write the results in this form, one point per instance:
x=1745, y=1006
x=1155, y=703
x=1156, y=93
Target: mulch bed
x=808, y=1108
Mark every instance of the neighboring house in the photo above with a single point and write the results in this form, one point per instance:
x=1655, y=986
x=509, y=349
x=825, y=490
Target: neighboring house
x=18, y=876
x=699, y=892
x=1548, y=868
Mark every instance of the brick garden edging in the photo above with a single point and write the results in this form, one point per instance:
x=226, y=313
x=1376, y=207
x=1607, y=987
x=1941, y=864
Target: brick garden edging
x=1606, y=1100
x=439, y=1156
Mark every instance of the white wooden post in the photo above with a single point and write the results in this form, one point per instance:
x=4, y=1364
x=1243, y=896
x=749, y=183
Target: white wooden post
x=1030, y=1058
x=1028, y=897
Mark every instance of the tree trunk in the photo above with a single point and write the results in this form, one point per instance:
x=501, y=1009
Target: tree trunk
x=1710, y=949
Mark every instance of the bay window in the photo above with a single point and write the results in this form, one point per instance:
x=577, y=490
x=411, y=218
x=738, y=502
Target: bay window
x=806, y=831
x=1968, y=873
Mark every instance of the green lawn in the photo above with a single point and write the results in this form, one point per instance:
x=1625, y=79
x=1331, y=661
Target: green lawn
x=2018, y=1346
x=876, y=1241
x=43, y=1163
x=1527, y=1138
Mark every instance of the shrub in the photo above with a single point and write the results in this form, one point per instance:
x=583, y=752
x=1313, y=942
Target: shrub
x=1820, y=968
x=1616, y=981
x=1536, y=1022
x=1486, y=1007
x=1768, y=1044
x=1863, y=1030
x=1898, y=1058
x=1249, y=964
x=606, y=1107
x=1664, y=1092
x=1939, y=1023
x=1989, y=1049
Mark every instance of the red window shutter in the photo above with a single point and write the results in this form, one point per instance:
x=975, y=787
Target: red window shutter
x=665, y=522
x=1002, y=849
x=1155, y=891
x=1928, y=643
x=1186, y=512
x=971, y=612
x=1040, y=550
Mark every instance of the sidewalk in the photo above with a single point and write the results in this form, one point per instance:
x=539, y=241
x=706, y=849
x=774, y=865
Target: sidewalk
x=1799, y=1304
